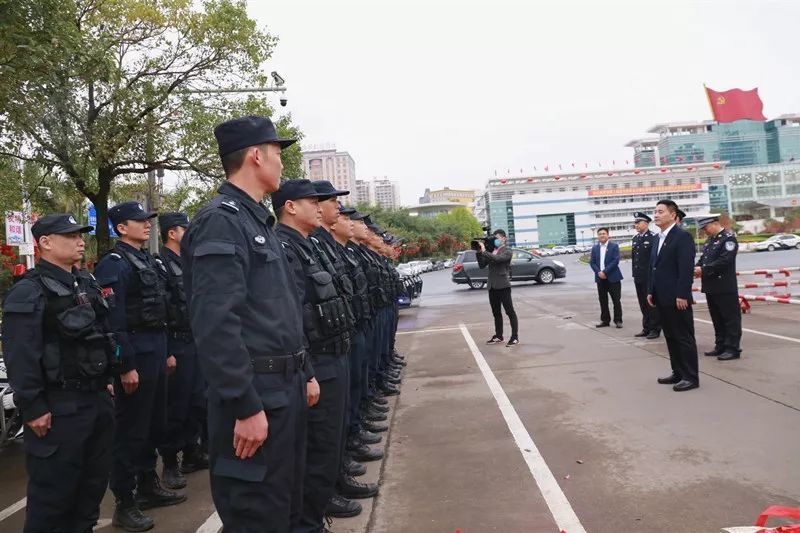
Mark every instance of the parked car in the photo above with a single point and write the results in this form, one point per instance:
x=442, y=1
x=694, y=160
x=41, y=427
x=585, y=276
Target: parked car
x=781, y=241
x=449, y=263
x=559, y=250
x=525, y=266
x=404, y=269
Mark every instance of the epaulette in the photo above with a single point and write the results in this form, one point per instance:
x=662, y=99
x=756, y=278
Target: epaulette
x=115, y=255
x=230, y=205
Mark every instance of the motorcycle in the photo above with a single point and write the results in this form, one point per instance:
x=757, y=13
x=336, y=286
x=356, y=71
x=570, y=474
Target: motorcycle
x=10, y=419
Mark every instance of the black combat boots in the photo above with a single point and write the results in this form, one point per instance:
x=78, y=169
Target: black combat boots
x=127, y=516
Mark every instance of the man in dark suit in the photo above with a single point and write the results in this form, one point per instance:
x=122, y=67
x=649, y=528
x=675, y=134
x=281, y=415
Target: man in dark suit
x=671, y=292
x=605, y=263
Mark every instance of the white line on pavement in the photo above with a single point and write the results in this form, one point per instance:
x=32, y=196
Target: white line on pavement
x=560, y=508
x=11, y=509
x=212, y=525
x=431, y=330
x=764, y=333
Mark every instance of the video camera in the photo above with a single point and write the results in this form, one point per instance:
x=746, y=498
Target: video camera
x=487, y=239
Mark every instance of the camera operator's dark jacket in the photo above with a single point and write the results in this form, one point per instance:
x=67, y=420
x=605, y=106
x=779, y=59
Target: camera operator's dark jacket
x=499, y=267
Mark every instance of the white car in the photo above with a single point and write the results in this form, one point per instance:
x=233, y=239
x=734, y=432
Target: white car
x=560, y=250
x=781, y=241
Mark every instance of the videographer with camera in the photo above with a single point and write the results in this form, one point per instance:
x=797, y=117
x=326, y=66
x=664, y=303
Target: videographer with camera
x=498, y=259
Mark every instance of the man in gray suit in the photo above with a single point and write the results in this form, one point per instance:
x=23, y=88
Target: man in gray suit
x=499, y=263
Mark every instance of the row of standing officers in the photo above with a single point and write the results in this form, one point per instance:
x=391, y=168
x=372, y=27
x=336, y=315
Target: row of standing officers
x=271, y=346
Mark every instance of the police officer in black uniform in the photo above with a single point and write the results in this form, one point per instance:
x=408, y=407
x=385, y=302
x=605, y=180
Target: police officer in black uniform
x=247, y=322
x=641, y=253
x=185, y=384
x=717, y=270
x=138, y=319
x=60, y=354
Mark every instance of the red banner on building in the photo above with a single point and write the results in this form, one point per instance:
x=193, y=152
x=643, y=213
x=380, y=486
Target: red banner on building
x=736, y=104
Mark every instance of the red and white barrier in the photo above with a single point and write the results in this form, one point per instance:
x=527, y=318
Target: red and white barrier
x=771, y=296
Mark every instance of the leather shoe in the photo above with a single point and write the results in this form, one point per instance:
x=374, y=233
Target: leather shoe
x=602, y=325
x=380, y=400
x=618, y=324
x=712, y=353
x=367, y=437
x=364, y=454
x=685, y=385
x=374, y=416
x=672, y=379
x=388, y=390
x=352, y=468
x=642, y=333
x=339, y=507
x=374, y=427
x=378, y=407
x=350, y=488
x=728, y=356
x=653, y=335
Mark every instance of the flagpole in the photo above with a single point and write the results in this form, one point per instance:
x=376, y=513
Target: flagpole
x=708, y=97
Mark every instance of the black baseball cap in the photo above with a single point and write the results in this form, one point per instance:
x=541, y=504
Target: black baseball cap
x=129, y=211
x=294, y=190
x=326, y=188
x=171, y=220
x=247, y=131
x=59, y=224
x=356, y=215
x=681, y=214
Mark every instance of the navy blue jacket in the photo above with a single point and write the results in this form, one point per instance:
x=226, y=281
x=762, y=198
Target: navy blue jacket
x=613, y=273
x=673, y=269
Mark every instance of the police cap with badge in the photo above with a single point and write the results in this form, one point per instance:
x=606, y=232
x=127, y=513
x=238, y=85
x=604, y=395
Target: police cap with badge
x=58, y=224
x=705, y=220
x=172, y=220
x=294, y=190
x=129, y=211
x=244, y=132
x=641, y=217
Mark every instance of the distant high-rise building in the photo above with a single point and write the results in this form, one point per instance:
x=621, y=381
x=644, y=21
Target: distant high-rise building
x=329, y=164
x=383, y=192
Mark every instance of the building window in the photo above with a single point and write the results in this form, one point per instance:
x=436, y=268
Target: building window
x=666, y=182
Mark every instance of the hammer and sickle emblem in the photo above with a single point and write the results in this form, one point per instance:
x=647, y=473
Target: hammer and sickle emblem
x=721, y=100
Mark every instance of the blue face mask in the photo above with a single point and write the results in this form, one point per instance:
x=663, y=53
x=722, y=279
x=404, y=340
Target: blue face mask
x=498, y=243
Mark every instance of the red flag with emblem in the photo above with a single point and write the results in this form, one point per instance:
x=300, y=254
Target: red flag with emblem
x=736, y=104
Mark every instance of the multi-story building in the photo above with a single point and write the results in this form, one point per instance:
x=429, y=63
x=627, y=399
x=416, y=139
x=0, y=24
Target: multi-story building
x=329, y=164
x=461, y=196
x=383, y=192
x=568, y=209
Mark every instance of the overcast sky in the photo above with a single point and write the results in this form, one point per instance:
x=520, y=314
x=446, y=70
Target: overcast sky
x=444, y=93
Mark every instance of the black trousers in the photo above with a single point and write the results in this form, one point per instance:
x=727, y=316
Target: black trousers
x=262, y=494
x=68, y=467
x=498, y=298
x=650, y=320
x=358, y=361
x=679, y=334
x=185, y=410
x=727, y=318
x=324, y=448
x=141, y=417
x=604, y=288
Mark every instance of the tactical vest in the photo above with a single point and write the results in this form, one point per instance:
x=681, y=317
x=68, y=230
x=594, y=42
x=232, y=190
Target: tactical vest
x=325, y=313
x=361, y=306
x=79, y=351
x=146, y=299
x=177, y=308
x=373, y=273
x=334, y=266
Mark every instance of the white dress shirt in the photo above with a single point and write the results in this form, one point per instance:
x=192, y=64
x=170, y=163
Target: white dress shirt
x=603, y=248
x=663, y=237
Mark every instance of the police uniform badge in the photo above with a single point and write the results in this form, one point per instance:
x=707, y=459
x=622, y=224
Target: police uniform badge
x=72, y=220
x=260, y=239
x=730, y=245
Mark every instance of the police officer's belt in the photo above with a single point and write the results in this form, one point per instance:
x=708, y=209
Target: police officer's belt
x=269, y=364
x=83, y=385
x=338, y=347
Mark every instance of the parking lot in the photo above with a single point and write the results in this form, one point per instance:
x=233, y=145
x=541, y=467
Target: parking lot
x=567, y=431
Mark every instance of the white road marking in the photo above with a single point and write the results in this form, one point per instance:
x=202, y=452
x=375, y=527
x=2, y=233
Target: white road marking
x=212, y=525
x=11, y=509
x=431, y=330
x=764, y=333
x=560, y=508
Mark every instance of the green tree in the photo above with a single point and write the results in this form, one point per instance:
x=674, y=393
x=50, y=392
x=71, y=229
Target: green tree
x=96, y=90
x=461, y=224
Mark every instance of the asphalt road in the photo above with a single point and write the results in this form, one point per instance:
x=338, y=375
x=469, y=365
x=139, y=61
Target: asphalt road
x=594, y=438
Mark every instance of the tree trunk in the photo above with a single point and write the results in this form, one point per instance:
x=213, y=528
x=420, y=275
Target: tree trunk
x=101, y=206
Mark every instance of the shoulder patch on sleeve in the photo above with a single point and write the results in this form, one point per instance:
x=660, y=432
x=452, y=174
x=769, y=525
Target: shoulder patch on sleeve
x=214, y=248
x=730, y=245
x=22, y=297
